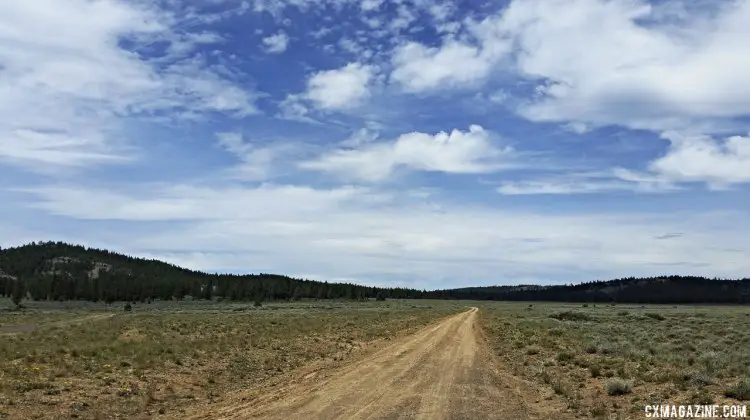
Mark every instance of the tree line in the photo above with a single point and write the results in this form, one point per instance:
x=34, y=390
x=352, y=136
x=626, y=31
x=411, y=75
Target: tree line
x=60, y=271
x=661, y=289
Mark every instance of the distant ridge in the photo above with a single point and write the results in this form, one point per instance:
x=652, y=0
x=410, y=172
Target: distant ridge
x=60, y=271
x=662, y=289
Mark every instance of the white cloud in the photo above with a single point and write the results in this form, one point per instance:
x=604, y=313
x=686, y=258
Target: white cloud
x=67, y=94
x=720, y=164
x=293, y=108
x=617, y=180
x=696, y=158
x=342, y=88
x=256, y=163
x=627, y=62
x=418, y=68
x=277, y=43
x=464, y=152
x=50, y=148
x=577, y=127
x=658, y=67
x=405, y=16
x=387, y=237
x=560, y=187
x=464, y=62
x=187, y=202
x=360, y=137
x=350, y=46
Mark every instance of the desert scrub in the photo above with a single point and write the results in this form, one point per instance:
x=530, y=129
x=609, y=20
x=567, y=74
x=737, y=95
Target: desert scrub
x=533, y=350
x=617, y=386
x=170, y=351
x=571, y=316
x=564, y=357
x=740, y=390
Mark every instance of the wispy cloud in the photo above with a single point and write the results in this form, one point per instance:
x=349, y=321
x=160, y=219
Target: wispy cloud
x=66, y=95
x=395, y=235
x=457, y=152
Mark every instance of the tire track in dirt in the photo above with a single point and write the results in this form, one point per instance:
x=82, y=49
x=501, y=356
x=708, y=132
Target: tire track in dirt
x=444, y=371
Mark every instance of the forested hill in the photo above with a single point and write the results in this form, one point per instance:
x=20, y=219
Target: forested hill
x=59, y=271
x=664, y=289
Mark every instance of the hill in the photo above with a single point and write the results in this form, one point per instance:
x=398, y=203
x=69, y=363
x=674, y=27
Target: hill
x=60, y=271
x=663, y=289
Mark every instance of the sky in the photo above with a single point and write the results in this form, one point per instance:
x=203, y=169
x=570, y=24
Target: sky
x=417, y=143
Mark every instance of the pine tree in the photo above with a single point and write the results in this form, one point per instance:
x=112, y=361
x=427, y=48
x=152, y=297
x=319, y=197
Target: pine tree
x=19, y=291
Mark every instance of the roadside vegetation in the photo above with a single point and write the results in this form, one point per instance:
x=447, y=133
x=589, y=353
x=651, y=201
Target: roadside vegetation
x=102, y=361
x=606, y=359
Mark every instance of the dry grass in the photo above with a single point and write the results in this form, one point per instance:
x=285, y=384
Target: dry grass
x=86, y=362
x=619, y=358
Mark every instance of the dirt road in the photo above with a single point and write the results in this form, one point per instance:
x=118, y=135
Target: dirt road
x=442, y=372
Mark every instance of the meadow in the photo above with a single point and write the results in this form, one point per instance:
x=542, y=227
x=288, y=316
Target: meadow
x=95, y=361
x=606, y=359
x=89, y=360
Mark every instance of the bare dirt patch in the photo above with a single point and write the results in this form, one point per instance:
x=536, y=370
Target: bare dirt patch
x=444, y=371
x=164, y=359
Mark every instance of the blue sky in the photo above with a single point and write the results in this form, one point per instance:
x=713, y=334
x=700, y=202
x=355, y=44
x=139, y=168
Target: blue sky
x=423, y=143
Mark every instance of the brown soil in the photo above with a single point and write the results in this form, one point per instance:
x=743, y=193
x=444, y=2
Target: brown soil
x=444, y=371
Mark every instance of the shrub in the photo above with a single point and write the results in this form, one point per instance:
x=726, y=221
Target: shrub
x=564, y=357
x=557, y=332
x=712, y=361
x=557, y=385
x=595, y=370
x=605, y=348
x=128, y=307
x=740, y=390
x=617, y=386
x=571, y=316
x=598, y=412
x=532, y=350
x=696, y=378
x=701, y=398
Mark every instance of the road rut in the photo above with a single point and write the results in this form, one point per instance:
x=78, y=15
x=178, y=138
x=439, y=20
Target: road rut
x=444, y=371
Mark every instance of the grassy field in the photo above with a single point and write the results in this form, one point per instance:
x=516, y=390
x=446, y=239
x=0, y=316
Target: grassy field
x=83, y=360
x=615, y=359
